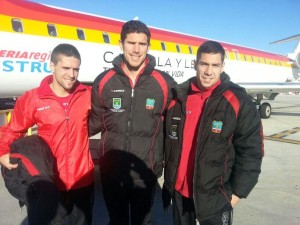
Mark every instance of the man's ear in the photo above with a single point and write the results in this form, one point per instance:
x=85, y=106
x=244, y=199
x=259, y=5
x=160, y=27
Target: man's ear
x=121, y=45
x=195, y=64
x=52, y=67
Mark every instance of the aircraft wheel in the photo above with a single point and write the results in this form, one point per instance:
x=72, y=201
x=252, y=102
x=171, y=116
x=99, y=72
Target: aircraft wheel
x=265, y=110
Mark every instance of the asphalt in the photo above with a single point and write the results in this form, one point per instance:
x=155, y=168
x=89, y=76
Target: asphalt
x=275, y=200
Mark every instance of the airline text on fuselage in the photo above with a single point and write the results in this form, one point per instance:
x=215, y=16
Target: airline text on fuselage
x=41, y=57
x=21, y=61
x=166, y=64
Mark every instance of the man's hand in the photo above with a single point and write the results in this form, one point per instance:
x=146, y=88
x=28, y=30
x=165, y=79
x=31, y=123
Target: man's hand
x=4, y=161
x=234, y=200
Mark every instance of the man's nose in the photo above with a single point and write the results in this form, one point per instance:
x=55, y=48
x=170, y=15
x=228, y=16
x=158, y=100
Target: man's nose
x=208, y=70
x=73, y=72
x=136, y=47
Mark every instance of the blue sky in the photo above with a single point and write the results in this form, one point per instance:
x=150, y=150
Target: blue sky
x=250, y=23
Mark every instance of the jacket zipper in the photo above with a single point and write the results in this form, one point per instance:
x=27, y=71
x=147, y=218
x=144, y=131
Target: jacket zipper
x=67, y=118
x=129, y=121
x=67, y=142
x=197, y=153
x=180, y=142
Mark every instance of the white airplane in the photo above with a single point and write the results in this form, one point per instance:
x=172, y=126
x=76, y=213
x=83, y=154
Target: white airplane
x=29, y=31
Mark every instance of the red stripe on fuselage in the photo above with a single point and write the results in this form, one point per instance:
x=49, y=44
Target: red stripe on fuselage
x=39, y=12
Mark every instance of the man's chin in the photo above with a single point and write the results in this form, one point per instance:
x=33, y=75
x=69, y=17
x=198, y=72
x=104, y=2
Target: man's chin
x=206, y=85
x=69, y=87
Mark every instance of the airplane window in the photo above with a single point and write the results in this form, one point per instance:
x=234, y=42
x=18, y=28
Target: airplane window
x=226, y=53
x=163, y=46
x=80, y=34
x=190, y=50
x=178, y=48
x=106, y=38
x=52, y=30
x=17, y=25
x=236, y=53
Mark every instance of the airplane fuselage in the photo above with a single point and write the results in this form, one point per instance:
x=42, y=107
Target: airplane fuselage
x=27, y=38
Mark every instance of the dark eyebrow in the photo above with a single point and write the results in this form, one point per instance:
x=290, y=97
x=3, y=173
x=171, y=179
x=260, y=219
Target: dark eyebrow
x=140, y=43
x=207, y=64
x=67, y=68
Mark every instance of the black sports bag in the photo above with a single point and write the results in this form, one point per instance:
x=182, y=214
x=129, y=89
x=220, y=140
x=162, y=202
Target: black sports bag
x=35, y=163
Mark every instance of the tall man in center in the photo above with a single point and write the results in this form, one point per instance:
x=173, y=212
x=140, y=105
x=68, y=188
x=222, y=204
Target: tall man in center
x=128, y=106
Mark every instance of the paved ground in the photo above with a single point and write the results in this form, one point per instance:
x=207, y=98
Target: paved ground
x=274, y=201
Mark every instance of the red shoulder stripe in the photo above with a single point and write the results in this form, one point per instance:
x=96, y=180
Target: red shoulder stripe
x=234, y=102
x=104, y=81
x=163, y=84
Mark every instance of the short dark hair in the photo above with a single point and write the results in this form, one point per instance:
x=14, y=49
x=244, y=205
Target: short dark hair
x=211, y=47
x=135, y=26
x=66, y=50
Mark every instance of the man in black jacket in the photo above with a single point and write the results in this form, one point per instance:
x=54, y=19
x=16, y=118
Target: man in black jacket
x=128, y=105
x=214, y=144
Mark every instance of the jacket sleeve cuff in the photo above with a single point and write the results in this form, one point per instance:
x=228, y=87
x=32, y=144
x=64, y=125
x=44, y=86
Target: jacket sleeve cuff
x=239, y=196
x=3, y=153
x=4, y=150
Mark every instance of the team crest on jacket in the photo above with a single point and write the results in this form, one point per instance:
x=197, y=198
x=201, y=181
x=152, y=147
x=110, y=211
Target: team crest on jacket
x=150, y=103
x=217, y=126
x=117, y=103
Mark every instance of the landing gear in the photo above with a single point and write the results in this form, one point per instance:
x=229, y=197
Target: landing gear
x=265, y=110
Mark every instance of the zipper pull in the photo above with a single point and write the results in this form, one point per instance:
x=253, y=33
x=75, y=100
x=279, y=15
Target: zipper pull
x=132, y=92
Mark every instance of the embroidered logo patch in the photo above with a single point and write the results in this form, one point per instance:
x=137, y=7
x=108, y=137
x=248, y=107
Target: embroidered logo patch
x=150, y=103
x=43, y=108
x=117, y=103
x=217, y=126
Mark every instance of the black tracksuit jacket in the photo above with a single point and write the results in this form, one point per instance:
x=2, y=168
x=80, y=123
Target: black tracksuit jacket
x=131, y=121
x=228, y=155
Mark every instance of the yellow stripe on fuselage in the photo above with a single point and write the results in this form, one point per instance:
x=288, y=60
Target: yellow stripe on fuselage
x=39, y=28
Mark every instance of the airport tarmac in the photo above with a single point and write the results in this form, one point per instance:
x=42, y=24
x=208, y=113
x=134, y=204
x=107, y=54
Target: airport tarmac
x=275, y=200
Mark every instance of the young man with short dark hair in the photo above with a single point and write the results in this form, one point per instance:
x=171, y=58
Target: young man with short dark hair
x=128, y=105
x=214, y=144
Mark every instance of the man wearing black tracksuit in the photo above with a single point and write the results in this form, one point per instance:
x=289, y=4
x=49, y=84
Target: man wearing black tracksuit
x=128, y=105
x=214, y=144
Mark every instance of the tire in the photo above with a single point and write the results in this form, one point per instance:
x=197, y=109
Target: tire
x=265, y=110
